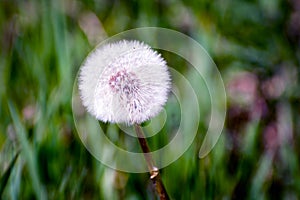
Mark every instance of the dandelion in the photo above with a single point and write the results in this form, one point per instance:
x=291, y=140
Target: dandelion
x=124, y=82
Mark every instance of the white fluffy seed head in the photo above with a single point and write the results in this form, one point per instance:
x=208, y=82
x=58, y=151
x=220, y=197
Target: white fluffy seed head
x=124, y=82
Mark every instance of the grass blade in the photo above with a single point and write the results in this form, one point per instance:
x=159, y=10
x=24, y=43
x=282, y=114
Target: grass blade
x=4, y=179
x=27, y=152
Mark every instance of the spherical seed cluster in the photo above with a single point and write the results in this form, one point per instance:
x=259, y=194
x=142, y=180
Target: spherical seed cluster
x=124, y=82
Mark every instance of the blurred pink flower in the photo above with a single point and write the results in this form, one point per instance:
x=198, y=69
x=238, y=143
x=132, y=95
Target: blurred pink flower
x=243, y=93
x=270, y=137
x=124, y=82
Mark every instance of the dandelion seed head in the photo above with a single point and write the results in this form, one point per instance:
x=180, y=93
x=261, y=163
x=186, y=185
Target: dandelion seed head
x=124, y=82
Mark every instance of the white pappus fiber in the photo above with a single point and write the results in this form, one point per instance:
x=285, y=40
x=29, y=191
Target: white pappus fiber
x=124, y=82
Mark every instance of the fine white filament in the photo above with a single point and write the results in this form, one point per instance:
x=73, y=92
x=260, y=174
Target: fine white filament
x=124, y=82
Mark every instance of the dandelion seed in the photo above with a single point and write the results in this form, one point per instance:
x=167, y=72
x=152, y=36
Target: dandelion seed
x=124, y=82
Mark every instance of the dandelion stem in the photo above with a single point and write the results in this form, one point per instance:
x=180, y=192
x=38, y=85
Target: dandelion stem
x=154, y=172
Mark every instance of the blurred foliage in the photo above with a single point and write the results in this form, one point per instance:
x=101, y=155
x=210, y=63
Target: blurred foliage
x=256, y=46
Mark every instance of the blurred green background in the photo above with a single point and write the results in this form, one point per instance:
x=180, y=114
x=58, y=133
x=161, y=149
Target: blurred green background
x=256, y=46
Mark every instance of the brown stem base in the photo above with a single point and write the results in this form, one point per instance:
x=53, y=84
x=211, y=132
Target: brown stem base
x=154, y=172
